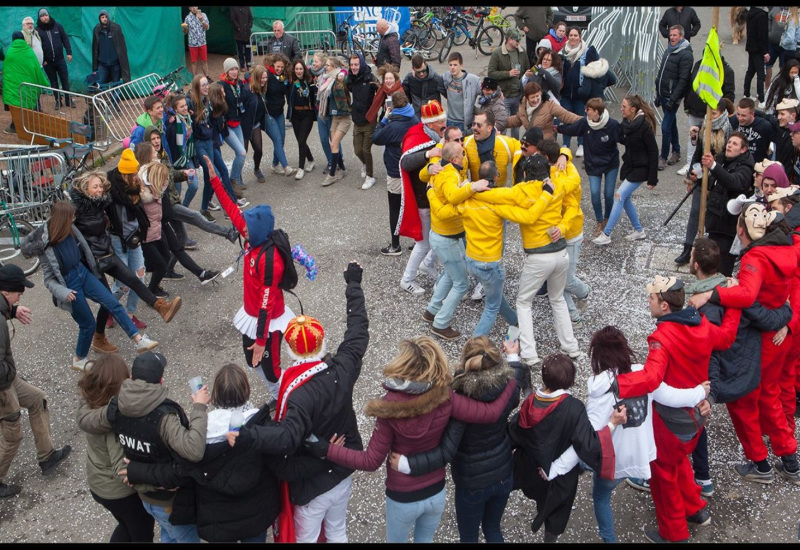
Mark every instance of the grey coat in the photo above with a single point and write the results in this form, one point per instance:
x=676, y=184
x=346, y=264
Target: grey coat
x=471, y=87
x=38, y=244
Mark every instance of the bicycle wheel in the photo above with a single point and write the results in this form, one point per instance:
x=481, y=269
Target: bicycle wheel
x=447, y=46
x=427, y=40
x=9, y=249
x=462, y=34
x=490, y=39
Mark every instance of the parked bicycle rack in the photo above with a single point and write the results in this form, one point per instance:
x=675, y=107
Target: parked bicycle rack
x=29, y=180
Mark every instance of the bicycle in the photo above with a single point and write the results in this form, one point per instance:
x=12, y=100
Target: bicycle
x=12, y=232
x=483, y=39
x=174, y=81
x=351, y=38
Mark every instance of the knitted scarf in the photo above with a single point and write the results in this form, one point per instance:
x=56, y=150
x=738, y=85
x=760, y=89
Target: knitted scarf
x=486, y=147
x=600, y=124
x=380, y=97
x=483, y=99
x=324, y=87
x=184, y=139
x=572, y=54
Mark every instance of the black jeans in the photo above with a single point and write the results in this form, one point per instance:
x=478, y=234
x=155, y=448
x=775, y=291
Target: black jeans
x=135, y=524
x=156, y=260
x=755, y=66
x=124, y=275
x=302, y=123
x=55, y=71
x=700, y=457
x=395, y=201
x=171, y=232
x=244, y=53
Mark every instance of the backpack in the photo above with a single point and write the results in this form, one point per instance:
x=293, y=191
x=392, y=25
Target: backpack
x=280, y=240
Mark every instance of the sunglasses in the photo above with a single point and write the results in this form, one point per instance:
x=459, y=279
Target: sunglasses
x=459, y=140
x=421, y=71
x=478, y=124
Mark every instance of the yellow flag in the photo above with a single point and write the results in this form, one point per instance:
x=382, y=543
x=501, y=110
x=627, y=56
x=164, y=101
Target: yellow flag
x=708, y=82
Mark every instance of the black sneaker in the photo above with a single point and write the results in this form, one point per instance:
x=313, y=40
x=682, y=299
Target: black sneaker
x=160, y=292
x=9, y=490
x=207, y=215
x=173, y=275
x=702, y=517
x=208, y=275
x=652, y=535
x=191, y=244
x=391, y=251
x=55, y=458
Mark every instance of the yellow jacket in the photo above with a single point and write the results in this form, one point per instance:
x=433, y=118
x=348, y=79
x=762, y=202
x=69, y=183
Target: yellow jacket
x=526, y=195
x=483, y=221
x=572, y=221
x=446, y=190
x=506, y=154
x=436, y=158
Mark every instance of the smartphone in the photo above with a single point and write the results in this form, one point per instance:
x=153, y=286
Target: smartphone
x=388, y=104
x=513, y=333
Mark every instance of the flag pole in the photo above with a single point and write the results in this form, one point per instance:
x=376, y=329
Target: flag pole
x=706, y=145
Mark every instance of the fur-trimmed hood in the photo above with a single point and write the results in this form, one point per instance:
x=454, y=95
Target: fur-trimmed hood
x=85, y=203
x=481, y=384
x=595, y=69
x=398, y=405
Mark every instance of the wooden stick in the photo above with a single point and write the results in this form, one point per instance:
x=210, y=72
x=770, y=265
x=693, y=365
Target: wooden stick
x=706, y=147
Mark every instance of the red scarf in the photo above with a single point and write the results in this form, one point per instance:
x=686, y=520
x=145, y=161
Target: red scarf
x=377, y=102
x=292, y=378
x=410, y=224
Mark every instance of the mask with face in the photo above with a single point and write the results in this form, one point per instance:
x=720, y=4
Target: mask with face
x=756, y=219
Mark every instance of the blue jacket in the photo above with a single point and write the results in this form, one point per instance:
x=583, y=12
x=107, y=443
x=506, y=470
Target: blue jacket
x=597, y=76
x=572, y=73
x=599, y=146
x=390, y=132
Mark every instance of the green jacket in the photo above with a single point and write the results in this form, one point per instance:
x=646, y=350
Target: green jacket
x=21, y=65
x=500, y=64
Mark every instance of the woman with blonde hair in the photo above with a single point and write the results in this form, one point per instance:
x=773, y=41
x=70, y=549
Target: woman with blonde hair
x=105, y=457
x=62, y=251
x=333, y=99
x=411, y=418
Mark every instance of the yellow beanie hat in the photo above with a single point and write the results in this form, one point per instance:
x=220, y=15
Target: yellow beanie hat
x=128, y=163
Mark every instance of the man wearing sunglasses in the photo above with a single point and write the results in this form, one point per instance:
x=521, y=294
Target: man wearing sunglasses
x=423, y=84
x=486, y=143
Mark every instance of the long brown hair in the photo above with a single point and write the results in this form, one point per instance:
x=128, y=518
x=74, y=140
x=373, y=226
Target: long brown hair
x=231, y=387
x=555, y=59
x=216, y=95
x=609, y=349
x=421, y=359
x=197, y=96
x=255, y=80
x=637, y=102
x=103, y=381
x=59, y=226
x=307, y=78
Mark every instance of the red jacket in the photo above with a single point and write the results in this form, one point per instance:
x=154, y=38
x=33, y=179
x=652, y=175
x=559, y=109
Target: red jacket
x=765, y=276
x=257, y=296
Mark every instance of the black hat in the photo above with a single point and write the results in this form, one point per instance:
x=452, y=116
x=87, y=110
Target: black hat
x=17, y=35
x=12, y=279
x=533, y=136
x=537, y=168
x=490, y=83
x=149, y=367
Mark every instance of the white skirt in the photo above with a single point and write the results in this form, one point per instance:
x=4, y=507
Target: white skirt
x=248, y=325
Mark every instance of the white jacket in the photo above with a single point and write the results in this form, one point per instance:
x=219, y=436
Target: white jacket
x=635, y=448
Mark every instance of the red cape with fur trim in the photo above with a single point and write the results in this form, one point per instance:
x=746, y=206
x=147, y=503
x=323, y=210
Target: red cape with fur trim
x=409, y=224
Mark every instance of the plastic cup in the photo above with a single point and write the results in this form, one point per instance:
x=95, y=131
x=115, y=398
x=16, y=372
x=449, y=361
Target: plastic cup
x=517, y=66
x=195, y=384
x=236, y=422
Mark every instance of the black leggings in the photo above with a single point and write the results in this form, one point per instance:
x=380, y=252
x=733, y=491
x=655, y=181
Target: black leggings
x=156, y=261
x=271, y=362
x=176, y=244
x=394, y=215
x=258, y=148
x=128, y=278
x=135, y=524
x=302, y=123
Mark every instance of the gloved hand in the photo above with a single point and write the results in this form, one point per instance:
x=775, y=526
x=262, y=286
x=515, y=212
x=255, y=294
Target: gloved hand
x=353, y=272
x=547, y=186
x=315, y=446
x=657, y=101
x=669, y=105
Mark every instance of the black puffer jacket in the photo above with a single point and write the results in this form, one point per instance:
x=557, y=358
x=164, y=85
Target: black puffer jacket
x=640, y=159
x=672, y=80
x=232, y=494
x=54, y=40
x=90, y=218
x=693, y=105
x=322, y=405
x=686, y=18
x=421, y=90
x=728, y=180
x=480, y=453
x=363, y=86
x=121, y=198
x=391, y=135
x=757, y=31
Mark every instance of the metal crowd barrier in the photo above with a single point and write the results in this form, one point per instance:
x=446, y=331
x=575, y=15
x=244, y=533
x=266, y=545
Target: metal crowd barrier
x=30, y=180
x=118, y=107
x=74, y=119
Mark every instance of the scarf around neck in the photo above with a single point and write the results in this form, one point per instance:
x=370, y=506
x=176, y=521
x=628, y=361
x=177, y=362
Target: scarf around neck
x=407, y=386
x=324, y=90
x=483, y=100
x=600, y=124
x=572, y=54
x=704, y=285
x=486, y=147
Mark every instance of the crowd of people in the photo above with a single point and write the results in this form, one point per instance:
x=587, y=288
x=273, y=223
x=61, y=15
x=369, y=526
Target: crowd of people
x=458, y=172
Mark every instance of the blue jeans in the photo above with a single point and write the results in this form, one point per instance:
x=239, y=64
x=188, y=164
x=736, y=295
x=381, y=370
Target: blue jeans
x=512, y=108
x=105, y=75
x=601, y=495
x=324, y=129
x=235, y=141
x=491, y=275
x=453, y=281
x=191, y=186
x=459, y=125
x=626, y=189
x=215, y=155
x=482, y=508
x=171, y=533
x=577, y=106
x=424, y=516
x=86, y=285
x=134, y=259
x=669, y=131
x=575, y=287
x=275, y=127
x=608, y=193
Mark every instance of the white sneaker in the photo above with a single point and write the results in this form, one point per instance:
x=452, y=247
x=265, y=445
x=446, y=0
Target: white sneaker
x=309, y=165
x=761, y=106
x=636, y=235
x=277, y=169
x=478, y=293
x=299, y=175
x=430, y=271
x=329, y=180
x=213, y=206
x=241, y=203
x=602, y=239
x=368, y=183
x=145, y=344
x=684, y=170
x=363, y=170
x=576, y=355
x=288, y=171
x=80, y=365
x=531, y=361
x=412, y=288
x=579, y=151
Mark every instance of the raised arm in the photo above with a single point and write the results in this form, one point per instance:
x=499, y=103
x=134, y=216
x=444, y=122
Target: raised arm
x=224, y=200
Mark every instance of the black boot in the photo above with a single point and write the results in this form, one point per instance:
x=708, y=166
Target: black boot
x=683, y=259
